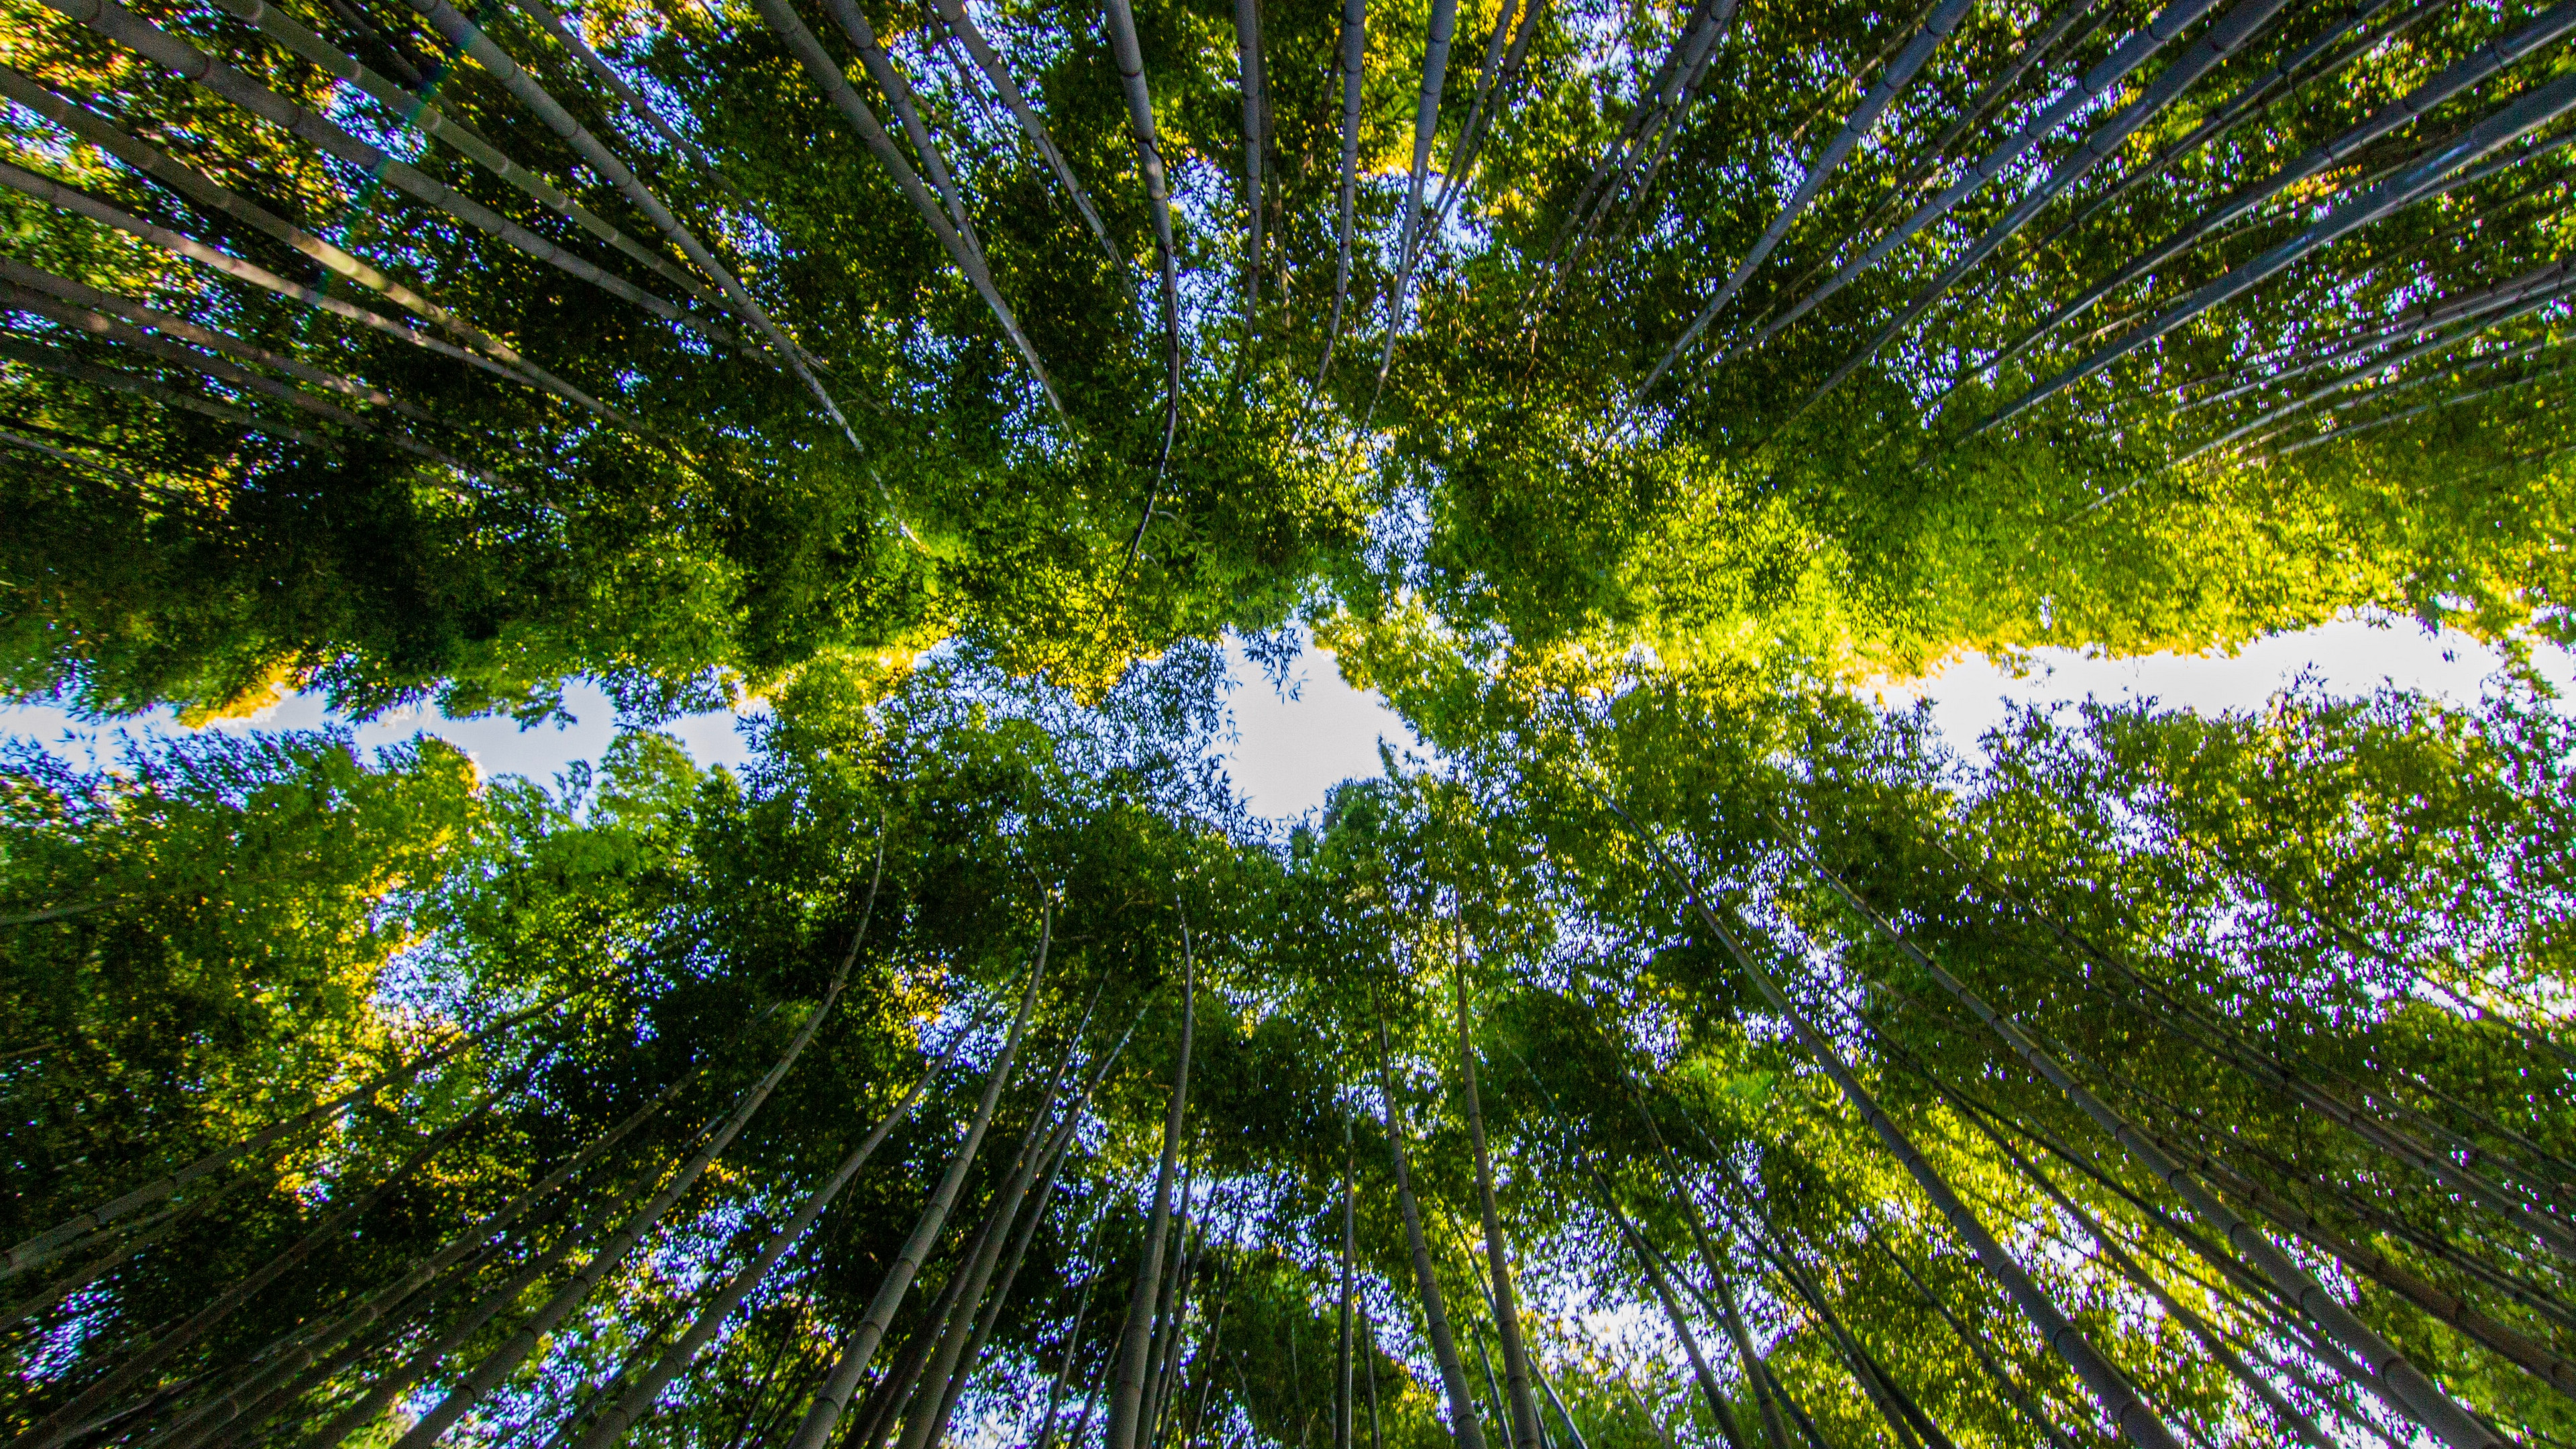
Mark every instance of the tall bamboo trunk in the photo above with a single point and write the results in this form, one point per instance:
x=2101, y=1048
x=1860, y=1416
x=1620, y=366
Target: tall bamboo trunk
x=1523, y=1404
x=2137, y=1421
x=465, y=35
x=1652, y=1261
x=1129, y=54
x=54, y=1241
x=1444, y=1346
x=1000, y=1296
x=2282, y=1409
x=2391, y=1375
x=975, y=1274
x=1127, y=1392
x=1864, y=118
x=390, y=1389
x=989, y=60
x=1342, y=1405
x=2351, y=211
x=637, y=1403
x=1426, y=125
x=1166, y=1339
x=1731, y=1315
x=1368, y=1335
x=1247, y=44
x=64, y=1422
x=832, y=1396
x=827, y=77
x=1072, y=1346
x=1352, y=59
x=260, y=1394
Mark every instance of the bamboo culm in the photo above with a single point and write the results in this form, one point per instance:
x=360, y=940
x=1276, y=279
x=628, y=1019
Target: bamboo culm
x=1342, y=1405
x=1652, y=1262
x=294, y=36
x=827, y=78
x=465, y=35
x=205, y=192
x=1522, y=1402
x=59, y=1426
x=2354, y=210
x=1864, y=119
x=832, y=1397
x=239, y=1401
x=974, y=1273
x=637, y=1403
x=232, y=267
x=2397, y=1379
x=2222, y=39
x=1444, y=1346
x=1127, y=1388
x=504, y=1360
x=998, y=74
x=2450, y=82
x=45, y=1246
x=1352, y=60
x=1426, y=125
x=2137, y=1422
x=1129, y=54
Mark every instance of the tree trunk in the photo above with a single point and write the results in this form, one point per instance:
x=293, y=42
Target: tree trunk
x=637, y=1404
x=1749, y=1359
x=2406, y=1387
x=607, y=75
x=1130, y=57
x=178, y=244
x=1000, y=1295
x=431, y=121
x=1127, y=1392
x=126, y=28
x=1377, y=1440
x=1352, y=60
x=975, y=1274
x=66, y=1421
x=389, y=1390
x=1172, y=1286
x=2450, y=82
x=2282, y=1409
x=2137, y=1422
x=50, y=1244
x=827, y=78
x=1072, y=1343
x=1522, y=1403
x=244, y=1399
x=1426, y=125
x=1444, y=1347
x=211, y=196
x=463, y=34
x=2070, y=100
x=1863, y=119
x=2223, y=37
x=2354, y=210
x=1342, y=1404
x=1647, y=1257
x=833, y=1395
x=1247, y=46
x=987, y=59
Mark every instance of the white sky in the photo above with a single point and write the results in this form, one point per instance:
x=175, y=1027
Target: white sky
x=1291, y=751
x=2352, y=656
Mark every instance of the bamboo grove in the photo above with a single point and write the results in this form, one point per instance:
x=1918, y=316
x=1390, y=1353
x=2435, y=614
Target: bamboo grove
x=1677, y=1053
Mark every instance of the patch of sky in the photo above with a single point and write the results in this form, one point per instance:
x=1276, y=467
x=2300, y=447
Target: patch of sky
x=497, y=745
x=2354, y=654
x=1299, y=728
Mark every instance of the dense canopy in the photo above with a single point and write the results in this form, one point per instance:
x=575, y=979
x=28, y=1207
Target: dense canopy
x=1678, y=1052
